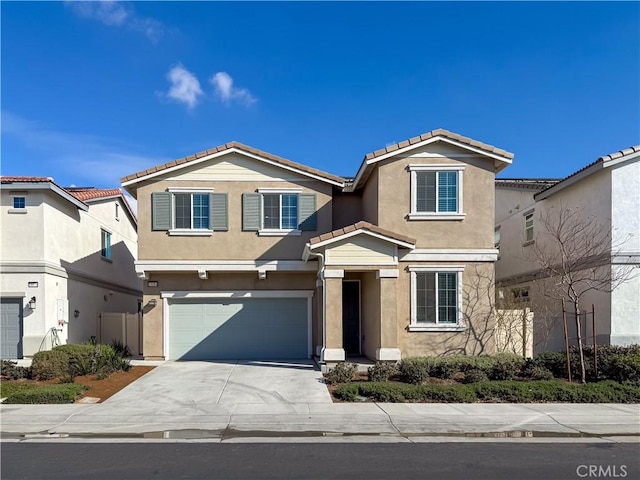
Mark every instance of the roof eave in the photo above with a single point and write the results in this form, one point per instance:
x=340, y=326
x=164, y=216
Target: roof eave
x=49, y=186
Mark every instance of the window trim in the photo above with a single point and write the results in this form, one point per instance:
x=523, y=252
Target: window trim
x=106, y=256
x=188, y=232
x=414, y=214
x=278, y=232
x=414, y=326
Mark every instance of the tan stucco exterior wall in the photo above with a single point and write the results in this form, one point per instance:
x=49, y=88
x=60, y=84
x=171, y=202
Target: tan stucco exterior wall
x=477, y=315
x=233, y=244
x=370, y=199
x=474, y=231
x=347, y=209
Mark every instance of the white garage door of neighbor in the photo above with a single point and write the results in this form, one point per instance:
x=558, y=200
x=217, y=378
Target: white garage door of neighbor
x=244, y=328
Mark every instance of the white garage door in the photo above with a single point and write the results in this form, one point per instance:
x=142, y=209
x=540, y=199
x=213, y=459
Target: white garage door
x=245, y=328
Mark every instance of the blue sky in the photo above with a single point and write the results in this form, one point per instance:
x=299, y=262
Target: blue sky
x=95, y=91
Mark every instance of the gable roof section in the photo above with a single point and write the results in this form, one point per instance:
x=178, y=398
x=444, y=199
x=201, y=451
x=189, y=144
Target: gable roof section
x=227, y=148
x=91, y=194
x=42, y=183
x=501, y=157
x=361, y=228
x=609, y=160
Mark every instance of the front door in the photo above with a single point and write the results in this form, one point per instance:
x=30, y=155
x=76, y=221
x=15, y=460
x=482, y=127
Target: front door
x=351, y=317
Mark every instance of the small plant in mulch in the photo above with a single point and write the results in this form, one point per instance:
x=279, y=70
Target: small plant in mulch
x=343, y=372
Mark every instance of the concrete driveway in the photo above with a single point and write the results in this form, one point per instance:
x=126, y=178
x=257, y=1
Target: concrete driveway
x=196, y=384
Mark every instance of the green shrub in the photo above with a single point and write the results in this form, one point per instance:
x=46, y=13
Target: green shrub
x=106, y=361
x=496, y=391
x=474, y=375
x=120, y=348
x=415, y=370
x=506, y=366
x=79, y=358
x=381, y=371
x=343, y=372
x=51, y=364
x=614, y=363
x=60, y=393
x=11, y=371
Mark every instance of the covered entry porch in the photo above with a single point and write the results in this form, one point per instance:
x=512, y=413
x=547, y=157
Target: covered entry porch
x=358, y=292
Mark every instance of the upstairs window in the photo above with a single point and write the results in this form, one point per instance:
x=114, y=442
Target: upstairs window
x=105, y=247
x=436, y=192
x=189, y=211
x=19, y=202
x=528, y=227
x=279, y=212
x=496, y=238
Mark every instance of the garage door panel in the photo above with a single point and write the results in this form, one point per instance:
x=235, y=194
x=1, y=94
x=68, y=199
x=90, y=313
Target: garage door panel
x=260, y=328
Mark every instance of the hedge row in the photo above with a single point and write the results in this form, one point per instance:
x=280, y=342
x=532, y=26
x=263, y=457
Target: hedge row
x=496, y=391
x=30, y=393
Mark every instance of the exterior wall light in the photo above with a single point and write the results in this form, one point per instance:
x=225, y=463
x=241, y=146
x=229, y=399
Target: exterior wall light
x=32, y=303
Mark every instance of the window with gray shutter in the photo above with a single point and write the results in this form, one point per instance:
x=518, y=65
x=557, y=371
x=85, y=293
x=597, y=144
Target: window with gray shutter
x=425, y=191
x=307, y=212
x=219, y=219
x=160, y=211
x=251, y=211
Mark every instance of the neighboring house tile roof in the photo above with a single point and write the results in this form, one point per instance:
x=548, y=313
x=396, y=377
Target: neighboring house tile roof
x=530, y=183
x=89, y=193
x=6, y=179
x=584, y=171
x=440, y=132
x=362, y=225
x=238, y=146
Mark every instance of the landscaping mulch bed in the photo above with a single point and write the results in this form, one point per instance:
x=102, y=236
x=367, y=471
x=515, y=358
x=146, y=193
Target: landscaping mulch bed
x=107, y=387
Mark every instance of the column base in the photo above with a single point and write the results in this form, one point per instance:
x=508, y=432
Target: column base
x=388, y=354
x=332, y=355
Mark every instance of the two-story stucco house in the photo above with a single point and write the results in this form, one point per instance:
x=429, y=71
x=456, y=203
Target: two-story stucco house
x=66, y=255
x=248, y=255
x=607, y=190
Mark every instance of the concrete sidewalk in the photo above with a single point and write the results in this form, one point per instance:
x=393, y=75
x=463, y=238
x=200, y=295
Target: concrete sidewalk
x=386, y=421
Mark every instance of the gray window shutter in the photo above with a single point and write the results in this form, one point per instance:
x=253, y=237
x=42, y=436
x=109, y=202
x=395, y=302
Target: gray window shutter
x=251, y=211
x=307, y=214
x=160, y=211
x=218, y=214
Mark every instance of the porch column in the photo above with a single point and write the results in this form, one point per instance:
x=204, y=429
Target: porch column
x=333, y=350
x=388, y=315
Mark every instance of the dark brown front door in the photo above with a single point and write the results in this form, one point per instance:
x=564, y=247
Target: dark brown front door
x=351, y=317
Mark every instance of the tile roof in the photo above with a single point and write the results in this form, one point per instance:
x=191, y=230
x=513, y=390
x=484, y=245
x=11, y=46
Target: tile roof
x=89, y=193
x=362, y=225
x=603, y=159
x=228, y=146
x=438, y=133
x=530, y=183
x=7, y=179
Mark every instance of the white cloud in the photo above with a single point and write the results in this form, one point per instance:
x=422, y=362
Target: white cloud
x=227, y=93
x=118, y=14
x=185, y=87
x=81, y=159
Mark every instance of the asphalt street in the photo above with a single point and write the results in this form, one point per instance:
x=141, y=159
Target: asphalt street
x=427, y=461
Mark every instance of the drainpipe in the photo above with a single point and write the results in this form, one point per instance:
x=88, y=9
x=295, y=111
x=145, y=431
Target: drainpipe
x=324, y=303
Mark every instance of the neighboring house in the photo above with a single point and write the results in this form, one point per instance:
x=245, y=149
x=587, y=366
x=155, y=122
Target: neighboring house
x=67, y=254
x=248, y=255
x=607, y=189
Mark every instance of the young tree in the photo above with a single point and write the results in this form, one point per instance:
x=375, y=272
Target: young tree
x=573, y=252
